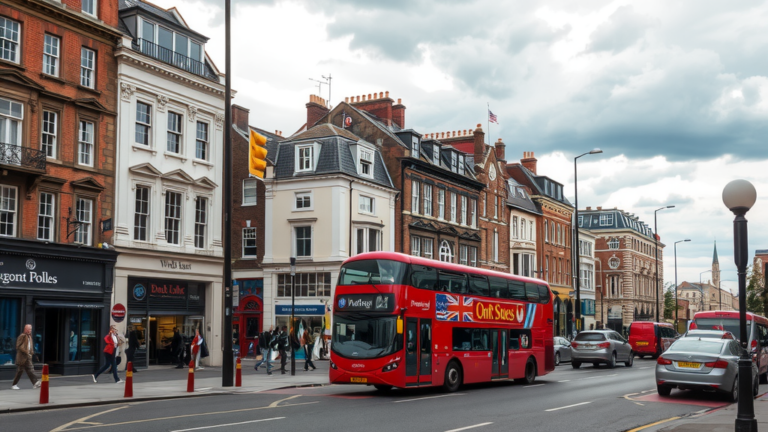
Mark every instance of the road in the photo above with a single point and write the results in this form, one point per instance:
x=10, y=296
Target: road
x=587, y=399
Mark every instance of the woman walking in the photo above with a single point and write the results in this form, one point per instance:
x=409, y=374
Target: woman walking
x=197, y=342
x=309, y=345
x=112, y=342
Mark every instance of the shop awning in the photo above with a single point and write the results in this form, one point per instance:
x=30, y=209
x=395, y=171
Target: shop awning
x=68, y=304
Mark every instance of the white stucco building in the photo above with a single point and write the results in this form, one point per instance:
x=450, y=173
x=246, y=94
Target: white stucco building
x=587, y=277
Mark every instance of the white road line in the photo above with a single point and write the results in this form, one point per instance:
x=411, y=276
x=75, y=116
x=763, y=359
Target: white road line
x=470, y=427
x=535, y=385
x=647, y=367
x=228, y=424
x=429, y=397
x=564, y=381
x=568, y=406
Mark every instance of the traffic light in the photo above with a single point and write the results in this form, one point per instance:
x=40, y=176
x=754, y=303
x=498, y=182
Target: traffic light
x=257, y=155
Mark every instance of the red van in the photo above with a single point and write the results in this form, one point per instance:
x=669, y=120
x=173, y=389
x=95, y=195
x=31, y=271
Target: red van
x=651, y=338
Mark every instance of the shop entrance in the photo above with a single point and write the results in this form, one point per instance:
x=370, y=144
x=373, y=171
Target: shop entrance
x=155, y=335
x=247, y=325
x=67, y=338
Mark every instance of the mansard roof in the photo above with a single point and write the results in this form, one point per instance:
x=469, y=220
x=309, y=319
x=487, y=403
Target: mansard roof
x=613, y=219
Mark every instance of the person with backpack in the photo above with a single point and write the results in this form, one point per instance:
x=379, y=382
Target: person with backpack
x=265, y=343
x=309, y=346
x=282, y=347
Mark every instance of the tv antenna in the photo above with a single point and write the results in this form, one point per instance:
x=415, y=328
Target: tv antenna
x=326, y=80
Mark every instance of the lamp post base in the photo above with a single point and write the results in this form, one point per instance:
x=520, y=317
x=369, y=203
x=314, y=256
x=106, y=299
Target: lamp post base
x=746, y=425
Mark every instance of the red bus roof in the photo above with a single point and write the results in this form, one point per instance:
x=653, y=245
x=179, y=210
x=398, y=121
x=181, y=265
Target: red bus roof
x=730, y=315
x=410, y=259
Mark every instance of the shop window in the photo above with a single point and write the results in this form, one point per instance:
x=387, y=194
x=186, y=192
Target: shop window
x=84, y=342
x=307, y=284
x=10, y=329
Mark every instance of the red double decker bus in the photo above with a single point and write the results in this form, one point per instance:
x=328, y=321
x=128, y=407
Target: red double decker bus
x=404, y=321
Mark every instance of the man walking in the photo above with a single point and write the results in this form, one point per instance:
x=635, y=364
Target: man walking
x=133, y=345
x=177, y=348
x=282, y=347
x=265, y=343
x=25, y=349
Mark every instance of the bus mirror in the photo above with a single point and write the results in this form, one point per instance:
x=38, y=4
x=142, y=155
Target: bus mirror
x=399, y=325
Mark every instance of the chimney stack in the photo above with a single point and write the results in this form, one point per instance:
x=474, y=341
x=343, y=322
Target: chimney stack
x=479, y=144
x=501, y=151
x=529, y=161
x=398, y=113
x=316, y=109
x=378, y=104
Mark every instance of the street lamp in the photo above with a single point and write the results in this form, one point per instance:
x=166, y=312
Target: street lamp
x=293, y=315
x=739, y=196
x=679, y=241
x=656, y=242
x=575, y=243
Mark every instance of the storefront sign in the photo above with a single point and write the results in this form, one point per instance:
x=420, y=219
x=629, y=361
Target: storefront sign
x=135, y=320
x=365, y=302
x=118, y=313
x=175, y=265
x=23, y=272
x=167, y=289
x=300, y=310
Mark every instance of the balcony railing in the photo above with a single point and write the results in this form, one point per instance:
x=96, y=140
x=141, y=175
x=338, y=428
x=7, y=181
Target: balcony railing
x=24, y=157
x=170, y=57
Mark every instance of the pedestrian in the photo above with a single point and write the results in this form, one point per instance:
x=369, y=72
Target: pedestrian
x=196, y=343
x=25, y=350
x=112, y=343
x=309, y=345
x=177, y=348
x=282, y=347
x=265, y=343
x=133, y=345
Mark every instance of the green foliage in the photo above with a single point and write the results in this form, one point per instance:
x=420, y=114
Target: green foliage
x=756, y=295
x=669, y=301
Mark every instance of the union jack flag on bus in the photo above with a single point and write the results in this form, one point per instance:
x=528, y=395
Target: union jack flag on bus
x=453, y=308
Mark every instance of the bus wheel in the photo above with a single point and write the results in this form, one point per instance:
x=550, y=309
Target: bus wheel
x=382, y=387
x=530, y=373
x=452, y=377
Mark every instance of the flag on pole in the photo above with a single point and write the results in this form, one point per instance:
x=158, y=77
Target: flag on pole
x=492, y=117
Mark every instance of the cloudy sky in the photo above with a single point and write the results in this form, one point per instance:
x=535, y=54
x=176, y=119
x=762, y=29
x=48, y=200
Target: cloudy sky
x=676, y=94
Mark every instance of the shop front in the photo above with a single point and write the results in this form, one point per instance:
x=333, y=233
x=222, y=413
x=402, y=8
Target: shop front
x=65, y=293
x=308, y=316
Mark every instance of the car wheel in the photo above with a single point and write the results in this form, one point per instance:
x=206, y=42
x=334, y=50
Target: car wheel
x=557, y=359
x=530, y=373
x=664, y=390
x=631, y=360
x=452, y=377
x=612, y=361
x=733, y=396
x=764, y=378
x=576, y=364
x=382, y=387
x=756, y=388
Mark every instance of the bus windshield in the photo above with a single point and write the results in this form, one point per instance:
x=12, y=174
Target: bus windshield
x=362, y=337
x=728, y=324
x=366, y=272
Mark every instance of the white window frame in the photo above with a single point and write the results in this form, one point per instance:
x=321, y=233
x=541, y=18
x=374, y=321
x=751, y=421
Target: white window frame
x=94, y=7
x=365, y=246
x=436, y=154
x=156, y=38
x=461, y=164
x=177, y=219
x=51, y=55
x=415, y=193
x=415, y=246
x=174, y=131
x=11, y=43
x=147, y=125
x=87, y=67
x=446, y=251
x=473, y=256
x=365, y=159
x=427, y=248
x=473, y=210
x=415, y=148
x=46, y=217
x=84, y=230
x=523, y=229
x=201, y=223
x=85, y=143
x=463, y=253
x=464, y=210
x=514, y=227
x=427, y=200
x=546, y=231
x=485, y=203
x=495, y=246
x=304, y=195
x=606, y=219
x=202, y=142
x=296, y=241
x=140, y=214
x=453, y=206
x=49, y=133
x=366, y=205
x=305, y=162
x=441, y=204
x=250, y=184
x=495, y=207
x=454, y=161
x=249, y=238
x=9, y=118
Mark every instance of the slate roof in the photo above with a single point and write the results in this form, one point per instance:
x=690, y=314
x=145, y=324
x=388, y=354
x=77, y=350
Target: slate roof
x=590, y=219
x=538, y=183
x=518, y=198
x=378, y=123
x=149, y=7
x=761, y=252
x=427, y=148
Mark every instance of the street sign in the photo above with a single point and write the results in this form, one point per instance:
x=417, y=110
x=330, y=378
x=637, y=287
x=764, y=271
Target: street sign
x=118, y=313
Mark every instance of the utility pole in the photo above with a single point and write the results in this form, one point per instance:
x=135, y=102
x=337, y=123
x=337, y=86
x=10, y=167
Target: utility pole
x=227, y=366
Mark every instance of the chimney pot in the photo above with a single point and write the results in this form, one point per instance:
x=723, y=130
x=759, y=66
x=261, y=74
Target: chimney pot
x=399, y=101
x=589, y=208
x=381, y=95
x=529, y=161
x=387, y=93
x=369, y=96
x=599, y=207
x=346, y=99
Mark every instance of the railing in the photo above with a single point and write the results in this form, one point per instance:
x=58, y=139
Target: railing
x=11, y=154
x=170, y=57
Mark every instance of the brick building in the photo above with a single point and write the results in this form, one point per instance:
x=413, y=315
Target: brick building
x=58, y=97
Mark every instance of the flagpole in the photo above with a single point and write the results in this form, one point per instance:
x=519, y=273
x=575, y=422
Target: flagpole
x=488, y=114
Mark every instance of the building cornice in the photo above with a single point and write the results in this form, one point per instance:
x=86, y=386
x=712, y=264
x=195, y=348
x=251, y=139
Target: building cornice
x=71, y=19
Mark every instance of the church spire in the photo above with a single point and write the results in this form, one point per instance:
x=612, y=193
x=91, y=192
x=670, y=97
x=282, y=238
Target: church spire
x=714, y=258
x=715, y=269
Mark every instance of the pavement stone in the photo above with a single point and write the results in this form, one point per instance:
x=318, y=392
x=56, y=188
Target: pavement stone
x=719, y=420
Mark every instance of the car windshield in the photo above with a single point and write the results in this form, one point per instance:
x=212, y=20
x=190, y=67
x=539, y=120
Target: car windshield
x=362, y=337
x=366, y=272
x=728, y=324
x=586, y=337
x=697, y=346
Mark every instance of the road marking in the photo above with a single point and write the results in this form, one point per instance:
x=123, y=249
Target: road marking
x=647, y=367
x=229, y=424
x=564, y=381
x=534, y=385
x=652, y=424
x=276, y=403
x=568, y=406
x=429, y=397
x=84, y=419
x=470, y=427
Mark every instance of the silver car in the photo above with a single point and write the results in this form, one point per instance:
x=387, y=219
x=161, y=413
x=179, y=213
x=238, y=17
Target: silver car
x=709, y=334
x=562, y=350
x=702, y=364
x=601, y=346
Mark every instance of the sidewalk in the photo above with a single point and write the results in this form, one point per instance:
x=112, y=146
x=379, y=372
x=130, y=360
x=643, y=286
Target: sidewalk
x=159, y=382
x=720, y=420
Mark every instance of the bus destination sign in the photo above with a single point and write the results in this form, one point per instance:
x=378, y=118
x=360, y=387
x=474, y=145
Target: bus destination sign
x=366, y=303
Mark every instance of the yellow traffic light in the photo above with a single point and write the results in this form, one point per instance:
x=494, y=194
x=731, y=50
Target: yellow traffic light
x=257, y=155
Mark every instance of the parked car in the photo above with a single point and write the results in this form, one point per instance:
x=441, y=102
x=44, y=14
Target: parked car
x=601, y=346
x=712, y=334
x=651, y=338
x=702, y=364
x=562, y=350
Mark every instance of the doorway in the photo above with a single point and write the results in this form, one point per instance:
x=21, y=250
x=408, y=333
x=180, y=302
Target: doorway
x=418, y=351
x=499, y=354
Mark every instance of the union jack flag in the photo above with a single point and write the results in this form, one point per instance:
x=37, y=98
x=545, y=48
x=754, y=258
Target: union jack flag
x=492, y=117
x=453, y=308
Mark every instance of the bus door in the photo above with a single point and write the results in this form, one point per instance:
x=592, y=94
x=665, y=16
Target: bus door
x=418, y=351
x=499, y=354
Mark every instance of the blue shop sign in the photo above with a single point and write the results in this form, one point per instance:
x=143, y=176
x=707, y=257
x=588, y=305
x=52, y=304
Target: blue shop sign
x=300, y=310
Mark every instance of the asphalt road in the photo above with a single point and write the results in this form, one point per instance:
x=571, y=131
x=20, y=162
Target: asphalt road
x=588, y=399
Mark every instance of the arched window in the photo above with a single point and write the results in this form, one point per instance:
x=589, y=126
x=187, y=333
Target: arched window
x=446, y=253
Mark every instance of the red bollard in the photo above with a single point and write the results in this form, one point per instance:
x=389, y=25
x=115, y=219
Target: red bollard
x=191, y=377
x=239, y=374
x=44, y=386
x=129, y=380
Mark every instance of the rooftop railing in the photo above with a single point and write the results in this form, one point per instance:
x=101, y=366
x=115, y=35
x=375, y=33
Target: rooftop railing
x=173, y=58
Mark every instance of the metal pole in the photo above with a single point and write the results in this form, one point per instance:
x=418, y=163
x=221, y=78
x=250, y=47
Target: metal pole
x=291, y=328
x=677, y=324
x=227, y=367
x=656, y=242
x=745, y=414
x=576, y=241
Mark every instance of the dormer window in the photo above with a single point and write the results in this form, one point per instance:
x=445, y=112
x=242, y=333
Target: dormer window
x=454, y=162
x=606, y=219
x=171, y=47
x=436, y=154
x=461, y=164
x=365, y=164
x=305, y=160
x=415, y=147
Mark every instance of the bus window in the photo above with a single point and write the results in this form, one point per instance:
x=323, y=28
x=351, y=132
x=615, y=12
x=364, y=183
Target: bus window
x=498, y=287
x=462, y=339
x=532, y=291
x=453, y=283
x=480, y=338
x=544, y=296
x=365, y=272
x=424, y=277
x=517, y=291
x=519, y=339
x=478, y=285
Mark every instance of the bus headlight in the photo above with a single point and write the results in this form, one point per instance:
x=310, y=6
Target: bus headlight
x=390, y=367
x=333, y=365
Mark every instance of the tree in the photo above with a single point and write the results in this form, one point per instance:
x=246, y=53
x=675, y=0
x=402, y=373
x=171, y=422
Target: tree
x=669, y=301
x=756, y=295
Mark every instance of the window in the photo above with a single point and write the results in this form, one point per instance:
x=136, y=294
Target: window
x=423, y=277
x=367, y=205
x=201, y=220
x=84, y=215
x=495, y=207
x=307, y=284
x=201, y=142
x=454, y=162
x=51, y=55
x=463, y=254
x=514, y=227
x=45, y=217
x=11, y=313
x=87, y=67
x=306, y=160
x=436, y=154
x=50, y=132
x=427, y=248
x=143, y=123
x=8, y=210
x=249, y=243
x=250, y=188
x=453, y=207
x=606, y=219
x=368, y=240
x=174, y=132
x=303, y=241
x=85, y=147
x=172, y=217
x=465, y=339
x=496, y=246
x=9, y=40
x=473, y=213
x=613, y=243
x=485, y=202
x=89, y=6
x=10, y=128
x=366, y=163
x=415, y=189
x=461, y=164
x=415, y=148
x=421, y=246
x=523, y=229
x=141, y=215
x=464, y=210
x=303, y=200
x=441, y=204
x=581, y=221
x=546, y=231
x=453, y=283
x=427, y=200
x=415, y=246
x=446, y=251
x=473, y=256
x=530, y=227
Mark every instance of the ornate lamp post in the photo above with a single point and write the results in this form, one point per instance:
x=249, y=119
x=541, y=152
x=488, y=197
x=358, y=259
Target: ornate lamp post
x=656, y=242
x=739, y=196
x=575, y=243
